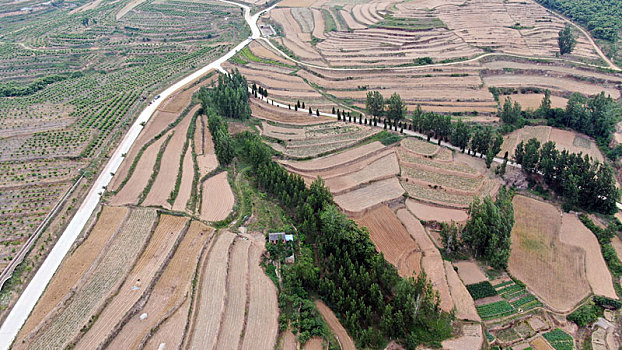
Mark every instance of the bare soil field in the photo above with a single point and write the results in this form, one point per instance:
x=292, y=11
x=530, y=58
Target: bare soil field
x=564, y=140
x=210, y=298
x=217, y=198
x=471, y=339
x=261, y=324
x=335, y=326
x=165, y=180
x=315, y=343
x=541, y=344
x=335, y=160
x=130, y=193
x=574, y=233
x=552, y=270
x=465, y=307
x=75, y=266
x=470, y=272
x=370, y=196
x=185, y=188
x=383, y=168
x=555, y=84
x=139, y=281
x=289, y=341
x=263, y=110
x=428, y=212
x=89, y=295
x=390, y=238
x=169, y=293
x=533, y=101
x=432, y=262
x=233, y=319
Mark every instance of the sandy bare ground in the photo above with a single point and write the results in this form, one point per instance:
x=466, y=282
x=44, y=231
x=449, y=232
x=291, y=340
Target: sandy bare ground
x=391, y=238
x=432, y=262
x=552, y=270
x=75, y=266
x=369, y=196
x=140, y=177
x=237, y=286
x=217, y=198
x=573, y=232
x=171, y=291
x=98, y=284
x=139, y=281
x=470, y=272
x=471, y=339
x=210, y=298
x=165, y=180
x=465, y=307
x=185, y=188
x=263, y=311
x=429, y=212
x=335, y=326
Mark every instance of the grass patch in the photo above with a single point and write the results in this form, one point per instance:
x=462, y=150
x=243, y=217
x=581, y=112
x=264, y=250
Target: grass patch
x=410, y=24
x=329, y=21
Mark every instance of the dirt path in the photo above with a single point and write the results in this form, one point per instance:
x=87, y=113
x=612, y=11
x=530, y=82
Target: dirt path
x=335, y=326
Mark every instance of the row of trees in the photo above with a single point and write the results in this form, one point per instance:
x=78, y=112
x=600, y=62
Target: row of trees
x=583, y=182
x=223, y=143
x=229, y=97
x=377, y=106
x=338, y=261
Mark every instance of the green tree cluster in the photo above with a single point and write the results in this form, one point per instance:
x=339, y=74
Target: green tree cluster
x=583, y=183
x=224, y=145
x=487, y=233
x=603, y=17
x=395, y=107
x=566, y=40
x=338, y=262
x=229, y=97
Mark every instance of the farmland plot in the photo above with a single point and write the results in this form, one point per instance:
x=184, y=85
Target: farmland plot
x=391, y=239
x=552, y=270
x=335, y=326
x=432, y=213
x=383, y=168
x=210, y=298
x=465, y=308
x=166, y=177
x=139, y=282
x=101, y=282
x=431, y=263
x=217, y=198
x=574, y=233
x=185, y=187
x=76, y=265
x=261, y=327
x=335, y=160
x=471, y=339
x=370, y=196
x=170, y=292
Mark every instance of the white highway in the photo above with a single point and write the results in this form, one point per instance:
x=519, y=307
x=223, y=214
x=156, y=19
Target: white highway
x=34, y=290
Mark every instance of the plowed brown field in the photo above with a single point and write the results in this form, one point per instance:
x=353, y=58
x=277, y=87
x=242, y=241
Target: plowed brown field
x=342, y=335
x=390, y=238
x=76, y=265
x=138, y=282
x=263, y=311
x=552, y=270
x=574, y=233
x=465, y=307
x=217, y=198
x=171, y=291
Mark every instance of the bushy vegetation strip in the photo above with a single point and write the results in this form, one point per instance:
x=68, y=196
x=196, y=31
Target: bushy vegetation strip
x=189, y=138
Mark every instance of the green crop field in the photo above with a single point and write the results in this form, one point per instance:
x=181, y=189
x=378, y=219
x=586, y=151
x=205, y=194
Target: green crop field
x=75, y=75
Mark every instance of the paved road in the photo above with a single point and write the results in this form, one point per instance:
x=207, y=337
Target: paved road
x=34, y=290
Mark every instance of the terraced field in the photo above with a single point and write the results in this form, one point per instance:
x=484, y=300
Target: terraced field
x=74, y=77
